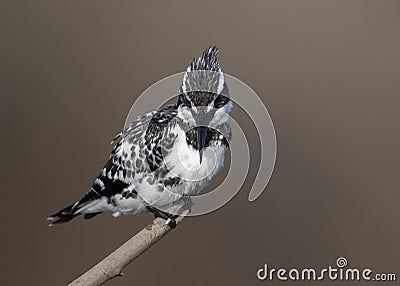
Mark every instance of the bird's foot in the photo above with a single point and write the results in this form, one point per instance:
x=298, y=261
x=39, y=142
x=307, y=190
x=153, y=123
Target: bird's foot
x=169, y=218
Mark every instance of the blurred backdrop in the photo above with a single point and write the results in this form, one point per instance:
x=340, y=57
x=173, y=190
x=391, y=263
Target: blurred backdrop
x=328, y=71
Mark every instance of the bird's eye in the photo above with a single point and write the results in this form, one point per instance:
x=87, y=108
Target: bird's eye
x=184, y=101
x=220, y=101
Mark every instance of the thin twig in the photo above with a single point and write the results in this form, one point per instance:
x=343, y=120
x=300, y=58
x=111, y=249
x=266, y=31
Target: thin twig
x=111, y=266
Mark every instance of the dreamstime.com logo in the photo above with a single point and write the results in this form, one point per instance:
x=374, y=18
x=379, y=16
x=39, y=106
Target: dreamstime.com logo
x=340, y=272
x=243, y=97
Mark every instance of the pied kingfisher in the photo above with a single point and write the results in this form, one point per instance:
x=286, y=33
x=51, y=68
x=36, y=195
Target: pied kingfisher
x=167, y=153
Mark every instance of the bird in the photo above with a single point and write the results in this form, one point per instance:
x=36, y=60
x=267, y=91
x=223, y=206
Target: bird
x=165, y=154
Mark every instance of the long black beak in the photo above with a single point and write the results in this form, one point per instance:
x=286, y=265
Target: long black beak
x=203, y=119
x=201, y=139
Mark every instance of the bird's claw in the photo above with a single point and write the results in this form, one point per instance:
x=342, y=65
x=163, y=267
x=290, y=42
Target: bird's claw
x=169, y=218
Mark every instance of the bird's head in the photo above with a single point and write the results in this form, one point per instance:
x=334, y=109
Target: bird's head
x=204, y=98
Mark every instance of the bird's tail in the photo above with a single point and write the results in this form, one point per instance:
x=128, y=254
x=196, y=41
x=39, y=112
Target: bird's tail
x=68, y=213
x=64, y=215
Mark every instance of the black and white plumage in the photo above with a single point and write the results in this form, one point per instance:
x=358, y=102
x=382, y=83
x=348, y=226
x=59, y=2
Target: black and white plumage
x=167, y=153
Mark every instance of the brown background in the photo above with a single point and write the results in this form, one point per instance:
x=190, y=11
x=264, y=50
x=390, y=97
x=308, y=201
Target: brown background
x=328, y=72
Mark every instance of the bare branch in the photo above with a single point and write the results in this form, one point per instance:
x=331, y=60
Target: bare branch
x=111, y=266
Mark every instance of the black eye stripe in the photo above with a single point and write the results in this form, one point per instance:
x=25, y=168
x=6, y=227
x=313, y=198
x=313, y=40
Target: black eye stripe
x=184, y=101
x=202, y=100
x=220, y=101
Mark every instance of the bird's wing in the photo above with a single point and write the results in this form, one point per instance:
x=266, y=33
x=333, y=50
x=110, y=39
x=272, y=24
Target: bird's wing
x=138, y=150
x=114, y=178
x=157, y=138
